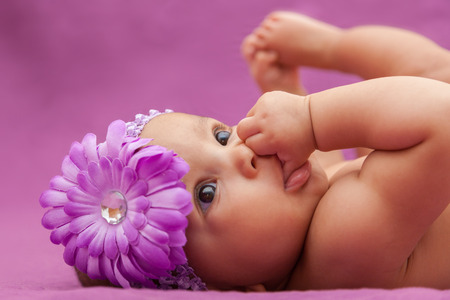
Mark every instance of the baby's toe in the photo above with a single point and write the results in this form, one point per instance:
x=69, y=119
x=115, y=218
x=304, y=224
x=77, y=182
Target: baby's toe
x=263, y=63
x=250, y=45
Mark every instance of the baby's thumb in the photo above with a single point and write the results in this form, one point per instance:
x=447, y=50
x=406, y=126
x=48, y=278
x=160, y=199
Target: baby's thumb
x=246, y=128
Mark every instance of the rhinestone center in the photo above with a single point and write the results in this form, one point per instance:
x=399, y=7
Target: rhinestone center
x=114, y=207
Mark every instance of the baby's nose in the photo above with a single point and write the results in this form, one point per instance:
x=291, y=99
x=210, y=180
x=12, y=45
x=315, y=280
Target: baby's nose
x=244, y=159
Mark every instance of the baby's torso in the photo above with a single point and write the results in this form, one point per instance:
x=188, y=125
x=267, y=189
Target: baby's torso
x=428, y=264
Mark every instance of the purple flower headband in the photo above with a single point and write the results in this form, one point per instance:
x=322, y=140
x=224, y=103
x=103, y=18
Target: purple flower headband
x=120, y=210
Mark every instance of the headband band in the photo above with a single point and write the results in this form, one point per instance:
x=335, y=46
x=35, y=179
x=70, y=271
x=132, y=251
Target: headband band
x=134, y=128
x=120, y=209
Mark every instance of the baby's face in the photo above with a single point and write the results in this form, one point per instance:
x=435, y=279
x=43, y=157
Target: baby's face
x=245, y=228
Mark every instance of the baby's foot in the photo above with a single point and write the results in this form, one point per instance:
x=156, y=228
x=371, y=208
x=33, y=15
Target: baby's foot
x=299, y=40
x=268, y=73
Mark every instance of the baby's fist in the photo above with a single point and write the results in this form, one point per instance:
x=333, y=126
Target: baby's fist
x=279, y=124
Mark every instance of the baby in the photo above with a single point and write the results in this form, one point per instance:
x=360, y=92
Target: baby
x=266, y=214
x=267, y=217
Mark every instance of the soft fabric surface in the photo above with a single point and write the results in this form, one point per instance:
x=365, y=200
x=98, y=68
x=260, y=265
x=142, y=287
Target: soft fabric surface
x=71, y=67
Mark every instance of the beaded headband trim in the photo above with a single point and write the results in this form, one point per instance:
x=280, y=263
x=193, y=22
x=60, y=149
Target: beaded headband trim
x=134, y=128
x=120, y=209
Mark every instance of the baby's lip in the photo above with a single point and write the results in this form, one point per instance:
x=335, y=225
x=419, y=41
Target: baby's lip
x=298, y=177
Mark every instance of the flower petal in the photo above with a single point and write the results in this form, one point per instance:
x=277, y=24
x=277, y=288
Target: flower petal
x=59, y=183
x=138, y=220
x=97, y=245
x=105, y=166
x=77, y=156
x=117, y=168
x=166, y=219
x=122, y=281
x=177, y=238
x=122, y=241
x=111, y=249
x=108, y=270
x=167, y=179
x=69, y=169
x=114, y=137
x=81, y=259
x=128, y=178
x=93, y=268
x=53, y=198
x=75, y=209
x=139, y=204
x=186, y=210
x=175, y=198
x=155, y=235
x=76, y=194
x=130, y=232
x=129, y=270
x=79, y=224
x=59, y=234
x=70, y=251
x=180, y=166
x=145, y=152
x=149, y=167
x=177, y=256
x=130, y=148
x=139, y=188
x=102, y=150
x=87, y=185
x=96, y=176
x=90, y=147
x=151, y=257
x=55, y=217
x=87, y=235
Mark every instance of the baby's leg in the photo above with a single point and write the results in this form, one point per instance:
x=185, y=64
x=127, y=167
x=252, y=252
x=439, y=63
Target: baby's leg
x=377, y=51
x=268, y=73
x=298, y=40
x=368, y=51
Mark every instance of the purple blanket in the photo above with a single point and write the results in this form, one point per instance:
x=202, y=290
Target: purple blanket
x=71, y=67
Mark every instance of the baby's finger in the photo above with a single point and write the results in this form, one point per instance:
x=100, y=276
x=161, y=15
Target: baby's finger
x=246, y=128
x=259, y=145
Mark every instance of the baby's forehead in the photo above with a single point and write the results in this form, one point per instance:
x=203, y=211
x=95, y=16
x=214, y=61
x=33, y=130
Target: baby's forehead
x=165, y=122
x=176, y=131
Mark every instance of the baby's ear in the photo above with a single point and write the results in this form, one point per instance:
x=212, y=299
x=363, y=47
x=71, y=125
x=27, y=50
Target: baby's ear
x=255, y=288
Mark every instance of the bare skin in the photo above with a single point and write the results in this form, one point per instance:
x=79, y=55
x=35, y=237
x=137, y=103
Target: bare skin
x=286, y=41
x=283, y=42
x=374, y=227
x=277, y=222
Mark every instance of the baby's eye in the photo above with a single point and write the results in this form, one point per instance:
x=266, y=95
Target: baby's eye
x=205, y=195
x=222, y=137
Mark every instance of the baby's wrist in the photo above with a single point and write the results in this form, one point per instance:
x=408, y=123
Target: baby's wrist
x=312, y=138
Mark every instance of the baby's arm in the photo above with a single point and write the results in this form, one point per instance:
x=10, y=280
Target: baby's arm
x=377, y=51
x=403, y=185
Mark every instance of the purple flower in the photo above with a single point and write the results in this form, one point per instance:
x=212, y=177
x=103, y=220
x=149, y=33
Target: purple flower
x=119, y=208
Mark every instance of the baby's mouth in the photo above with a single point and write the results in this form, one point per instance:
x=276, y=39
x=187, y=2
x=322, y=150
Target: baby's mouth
x=298, y=177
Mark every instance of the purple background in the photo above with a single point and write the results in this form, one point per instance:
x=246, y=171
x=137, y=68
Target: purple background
x=71, y=67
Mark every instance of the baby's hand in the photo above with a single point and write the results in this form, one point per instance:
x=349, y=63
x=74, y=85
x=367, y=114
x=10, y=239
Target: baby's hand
x=279, y=124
